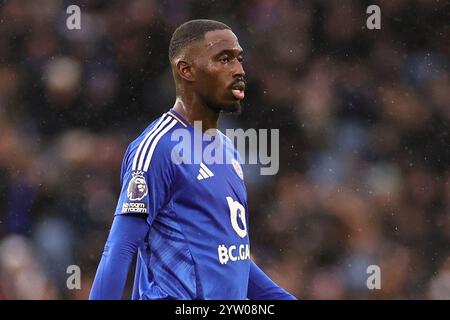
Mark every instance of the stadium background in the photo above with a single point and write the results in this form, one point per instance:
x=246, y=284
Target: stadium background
x=364, y=119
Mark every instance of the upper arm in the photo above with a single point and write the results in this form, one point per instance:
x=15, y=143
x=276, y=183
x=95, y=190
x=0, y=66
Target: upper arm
x=146, y=188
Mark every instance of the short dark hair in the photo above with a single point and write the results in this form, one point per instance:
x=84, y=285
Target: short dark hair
x=190, y=32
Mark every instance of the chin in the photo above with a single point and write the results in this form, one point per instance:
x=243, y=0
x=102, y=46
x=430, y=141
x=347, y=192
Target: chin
x=233, y=108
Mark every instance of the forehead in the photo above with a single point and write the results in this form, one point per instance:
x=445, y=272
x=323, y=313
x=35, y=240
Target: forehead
x=219, y=40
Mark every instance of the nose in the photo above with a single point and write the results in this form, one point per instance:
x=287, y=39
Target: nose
x=238, y=71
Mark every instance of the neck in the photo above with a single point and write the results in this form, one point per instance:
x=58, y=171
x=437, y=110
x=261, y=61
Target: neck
x=195, y=110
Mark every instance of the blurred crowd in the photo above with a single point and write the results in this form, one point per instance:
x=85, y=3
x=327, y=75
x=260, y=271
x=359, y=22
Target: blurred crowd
x=364, y=119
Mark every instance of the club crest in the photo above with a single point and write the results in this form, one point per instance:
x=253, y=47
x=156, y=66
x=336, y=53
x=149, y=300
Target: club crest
x=237, y=167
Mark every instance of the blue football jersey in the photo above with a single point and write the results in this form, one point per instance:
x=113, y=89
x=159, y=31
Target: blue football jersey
x=198, y=243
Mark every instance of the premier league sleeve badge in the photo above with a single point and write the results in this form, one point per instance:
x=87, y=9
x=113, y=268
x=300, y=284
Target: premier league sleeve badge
x=137, y=188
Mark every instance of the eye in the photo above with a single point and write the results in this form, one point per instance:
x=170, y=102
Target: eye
x=224, y=59
x=240, y=59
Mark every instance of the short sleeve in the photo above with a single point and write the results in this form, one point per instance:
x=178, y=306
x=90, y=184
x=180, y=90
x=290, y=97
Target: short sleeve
x=146, y=192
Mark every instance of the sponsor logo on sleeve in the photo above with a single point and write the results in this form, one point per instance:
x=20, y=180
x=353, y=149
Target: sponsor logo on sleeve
x=134, y=207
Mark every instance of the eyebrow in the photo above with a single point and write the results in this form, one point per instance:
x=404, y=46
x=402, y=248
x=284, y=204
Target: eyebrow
x=229, y=51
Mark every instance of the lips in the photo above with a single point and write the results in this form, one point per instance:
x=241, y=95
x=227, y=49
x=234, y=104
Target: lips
x=238, y=90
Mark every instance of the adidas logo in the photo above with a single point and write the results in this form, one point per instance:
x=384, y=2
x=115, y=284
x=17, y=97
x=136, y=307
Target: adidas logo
x=204, y=172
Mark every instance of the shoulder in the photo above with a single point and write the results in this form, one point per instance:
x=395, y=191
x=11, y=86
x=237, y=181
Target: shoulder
x=229, y=145
x=153, y=145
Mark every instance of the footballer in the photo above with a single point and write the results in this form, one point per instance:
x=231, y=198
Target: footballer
x=187, y=223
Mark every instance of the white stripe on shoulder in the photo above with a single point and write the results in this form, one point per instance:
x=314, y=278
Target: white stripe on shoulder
x=142, y=156
x=141, y=145
x=225, y=136
x=155, y=142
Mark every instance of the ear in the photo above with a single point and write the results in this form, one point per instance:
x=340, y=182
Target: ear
x=185, y=70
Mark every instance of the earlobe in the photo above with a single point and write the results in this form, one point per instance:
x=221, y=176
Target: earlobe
x=185, y=71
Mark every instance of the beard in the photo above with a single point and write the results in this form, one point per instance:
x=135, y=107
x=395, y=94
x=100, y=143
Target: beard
x=233, y=107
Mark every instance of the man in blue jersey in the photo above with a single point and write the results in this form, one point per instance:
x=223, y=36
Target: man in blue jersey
x=187, y=221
